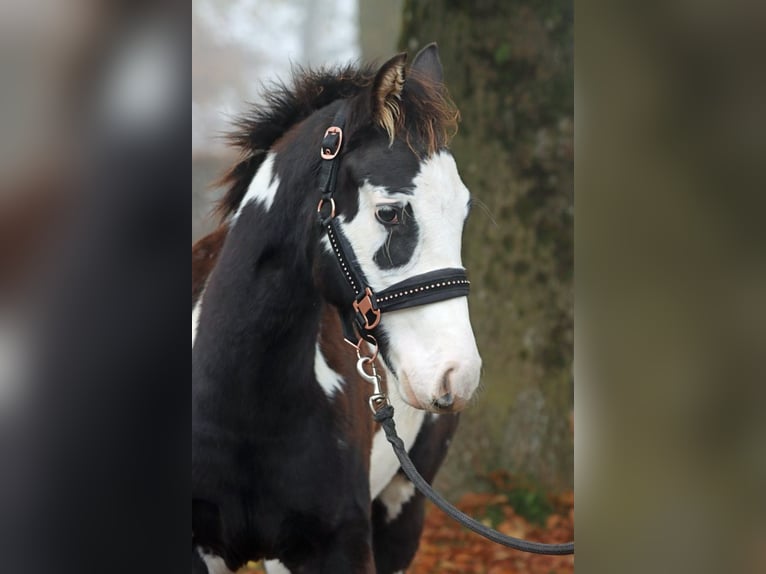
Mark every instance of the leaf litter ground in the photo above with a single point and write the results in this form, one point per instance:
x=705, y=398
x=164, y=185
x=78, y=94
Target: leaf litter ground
x=446, y=547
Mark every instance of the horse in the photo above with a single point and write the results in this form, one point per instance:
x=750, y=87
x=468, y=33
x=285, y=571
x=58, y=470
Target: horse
x=345, y=177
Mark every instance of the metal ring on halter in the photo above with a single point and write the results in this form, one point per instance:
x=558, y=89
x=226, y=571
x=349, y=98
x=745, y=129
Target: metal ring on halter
x=332, y=205
x=358, y=347
x=373, y=345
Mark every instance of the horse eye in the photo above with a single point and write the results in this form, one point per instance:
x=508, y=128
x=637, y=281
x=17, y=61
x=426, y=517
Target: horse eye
x=388, y=215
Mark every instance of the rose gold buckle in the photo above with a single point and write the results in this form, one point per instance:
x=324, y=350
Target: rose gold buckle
x=328, y=153
x=332, y=206
x=372, y=344
x=364, y=307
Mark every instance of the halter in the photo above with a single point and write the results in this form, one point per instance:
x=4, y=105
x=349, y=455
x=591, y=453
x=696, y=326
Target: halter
x=362, y=316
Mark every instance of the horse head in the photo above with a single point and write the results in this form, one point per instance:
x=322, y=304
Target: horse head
x=400, y=207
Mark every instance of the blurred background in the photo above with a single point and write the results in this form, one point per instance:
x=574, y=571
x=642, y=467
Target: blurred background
x=509, y=68
x=670, y=268
x=94, y=184
x=239, y=47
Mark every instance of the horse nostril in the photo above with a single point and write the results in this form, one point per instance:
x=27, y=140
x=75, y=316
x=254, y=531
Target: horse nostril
x=445, y=401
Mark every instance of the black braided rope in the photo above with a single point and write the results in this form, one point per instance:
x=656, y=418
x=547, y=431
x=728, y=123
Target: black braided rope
x=385, y=416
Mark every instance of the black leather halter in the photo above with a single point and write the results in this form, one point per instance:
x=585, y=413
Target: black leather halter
x=362, y=316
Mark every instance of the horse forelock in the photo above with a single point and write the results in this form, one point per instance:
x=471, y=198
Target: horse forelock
x=425, y=117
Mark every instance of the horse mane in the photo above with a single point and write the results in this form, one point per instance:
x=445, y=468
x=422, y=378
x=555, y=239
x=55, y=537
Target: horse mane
x=424, y=109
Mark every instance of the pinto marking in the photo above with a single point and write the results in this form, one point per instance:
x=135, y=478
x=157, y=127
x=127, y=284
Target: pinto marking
x=215, y=564
x=195, y=320
x=423, y=371
x=330, y=381
x=276, y=567
x=432, y=193
x=383, y=462
x=263, y=188
x=398, y=493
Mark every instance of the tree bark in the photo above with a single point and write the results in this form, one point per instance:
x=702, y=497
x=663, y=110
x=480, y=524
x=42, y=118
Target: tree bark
x=509, y=67
x=379, y=25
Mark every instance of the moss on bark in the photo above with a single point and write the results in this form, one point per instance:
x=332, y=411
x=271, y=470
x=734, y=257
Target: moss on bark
x=509, y=67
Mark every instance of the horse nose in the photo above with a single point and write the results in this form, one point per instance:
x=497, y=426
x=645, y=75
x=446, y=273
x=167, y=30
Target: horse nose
x=444, y=402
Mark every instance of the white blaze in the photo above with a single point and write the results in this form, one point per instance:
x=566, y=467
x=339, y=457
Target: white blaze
x=431, y=342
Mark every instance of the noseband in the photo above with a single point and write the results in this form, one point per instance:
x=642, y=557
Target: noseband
x=362, y=316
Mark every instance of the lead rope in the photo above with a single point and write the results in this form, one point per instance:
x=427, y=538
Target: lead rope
x=383, y=413
x=385, y=416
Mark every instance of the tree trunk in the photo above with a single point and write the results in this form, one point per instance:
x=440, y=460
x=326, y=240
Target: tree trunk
x=379, y=25
x=509, y=68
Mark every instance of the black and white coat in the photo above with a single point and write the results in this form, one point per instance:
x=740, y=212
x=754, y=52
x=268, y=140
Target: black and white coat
x=287, y=464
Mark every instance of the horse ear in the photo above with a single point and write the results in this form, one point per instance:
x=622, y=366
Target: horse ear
x=428, y=64
x=386, y=92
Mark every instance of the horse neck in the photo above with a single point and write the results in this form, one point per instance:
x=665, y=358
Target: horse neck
x=259, y=314
x=260, y=311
